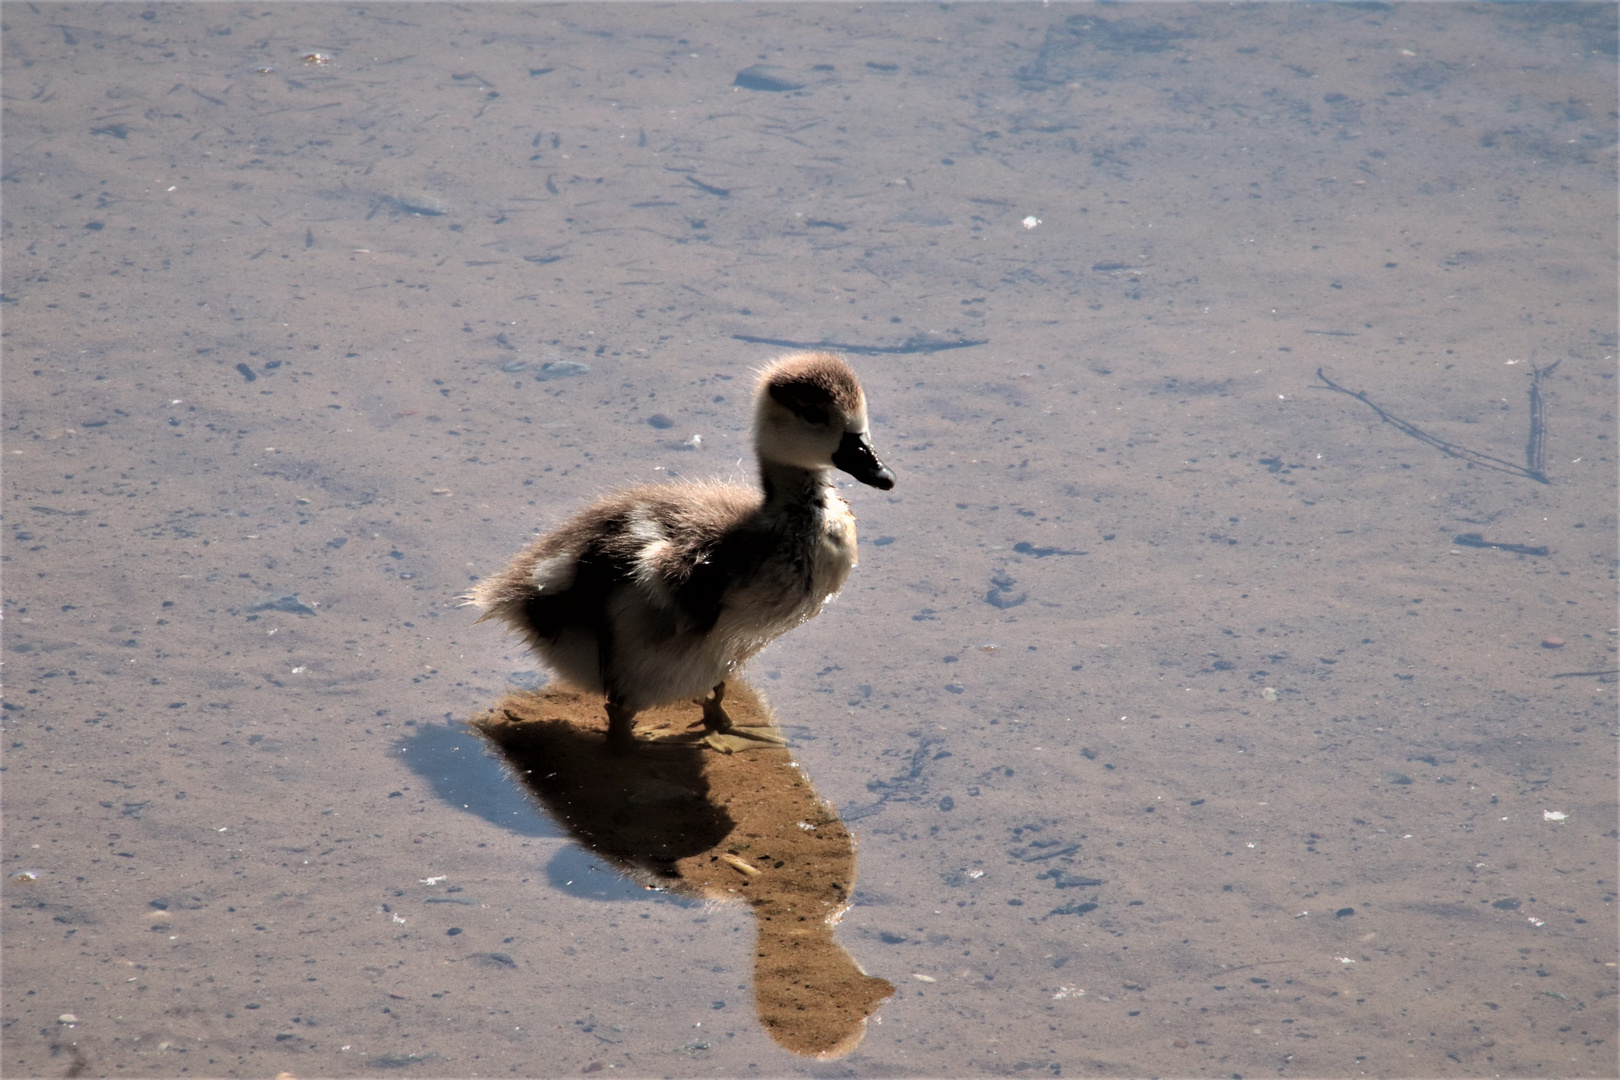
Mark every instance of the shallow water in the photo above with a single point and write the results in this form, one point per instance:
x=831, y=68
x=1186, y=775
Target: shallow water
x=314, y=313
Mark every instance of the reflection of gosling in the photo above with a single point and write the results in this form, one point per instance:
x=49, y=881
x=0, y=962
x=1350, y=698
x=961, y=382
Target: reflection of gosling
x=656, y=594
x=744, y=828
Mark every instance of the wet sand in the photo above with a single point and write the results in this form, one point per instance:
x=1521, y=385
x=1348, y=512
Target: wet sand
x=725, y=819
x=1178, y=733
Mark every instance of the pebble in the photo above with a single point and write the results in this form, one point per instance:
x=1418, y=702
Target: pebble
x=1074, y=909
x=1552, y=643
x=767, y=77
x=1000, y=594
x=560, y=369
x=289, y=603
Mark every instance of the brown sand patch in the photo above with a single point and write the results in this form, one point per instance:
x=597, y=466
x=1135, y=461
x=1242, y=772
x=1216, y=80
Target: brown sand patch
x=722, y=827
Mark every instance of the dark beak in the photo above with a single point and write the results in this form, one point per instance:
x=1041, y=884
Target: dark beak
x=855, y=457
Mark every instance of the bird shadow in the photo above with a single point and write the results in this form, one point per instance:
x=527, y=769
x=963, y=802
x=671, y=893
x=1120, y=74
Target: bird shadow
x=461, y=769
x=680, y=817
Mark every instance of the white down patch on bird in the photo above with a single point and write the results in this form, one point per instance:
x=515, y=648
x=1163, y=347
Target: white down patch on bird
x=653, y=550
x=554, y=575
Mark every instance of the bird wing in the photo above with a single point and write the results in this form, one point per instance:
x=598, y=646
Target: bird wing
x=684, y=545
x=713, y=573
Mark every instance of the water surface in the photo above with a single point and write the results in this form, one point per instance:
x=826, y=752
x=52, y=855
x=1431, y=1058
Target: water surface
x=1177, y=732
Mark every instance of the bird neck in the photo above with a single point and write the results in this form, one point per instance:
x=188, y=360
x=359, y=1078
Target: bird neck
x=788, y=485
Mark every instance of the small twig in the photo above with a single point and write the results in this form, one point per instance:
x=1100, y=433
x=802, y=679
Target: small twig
x=1450, y=449
x=1535, y=451
x=1245, y=967
x=732, y=860
x=912, y=346
x=1478, y=541
x=1583, y=674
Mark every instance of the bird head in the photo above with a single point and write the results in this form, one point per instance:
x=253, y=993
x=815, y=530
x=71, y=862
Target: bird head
x=810, y=413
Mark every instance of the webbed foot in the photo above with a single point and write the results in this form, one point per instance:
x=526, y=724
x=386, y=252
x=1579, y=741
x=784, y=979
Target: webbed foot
x=728, y=737
x=743, y=738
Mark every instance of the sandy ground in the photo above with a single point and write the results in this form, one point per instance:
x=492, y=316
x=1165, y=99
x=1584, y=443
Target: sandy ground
x=743, y=826
x=1178, y=733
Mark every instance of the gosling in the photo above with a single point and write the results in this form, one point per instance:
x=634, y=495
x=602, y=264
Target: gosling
x=657, y=594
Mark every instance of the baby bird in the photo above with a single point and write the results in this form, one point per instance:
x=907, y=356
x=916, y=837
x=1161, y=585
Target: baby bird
x=658, y=593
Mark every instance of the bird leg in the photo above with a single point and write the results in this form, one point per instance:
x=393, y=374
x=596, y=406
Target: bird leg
x=714, y=713
x=725, y=736
x=621, y=726
x=621, y=718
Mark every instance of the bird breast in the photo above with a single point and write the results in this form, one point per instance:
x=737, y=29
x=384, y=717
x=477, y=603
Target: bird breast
x=811, y=559
x=835, y=554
